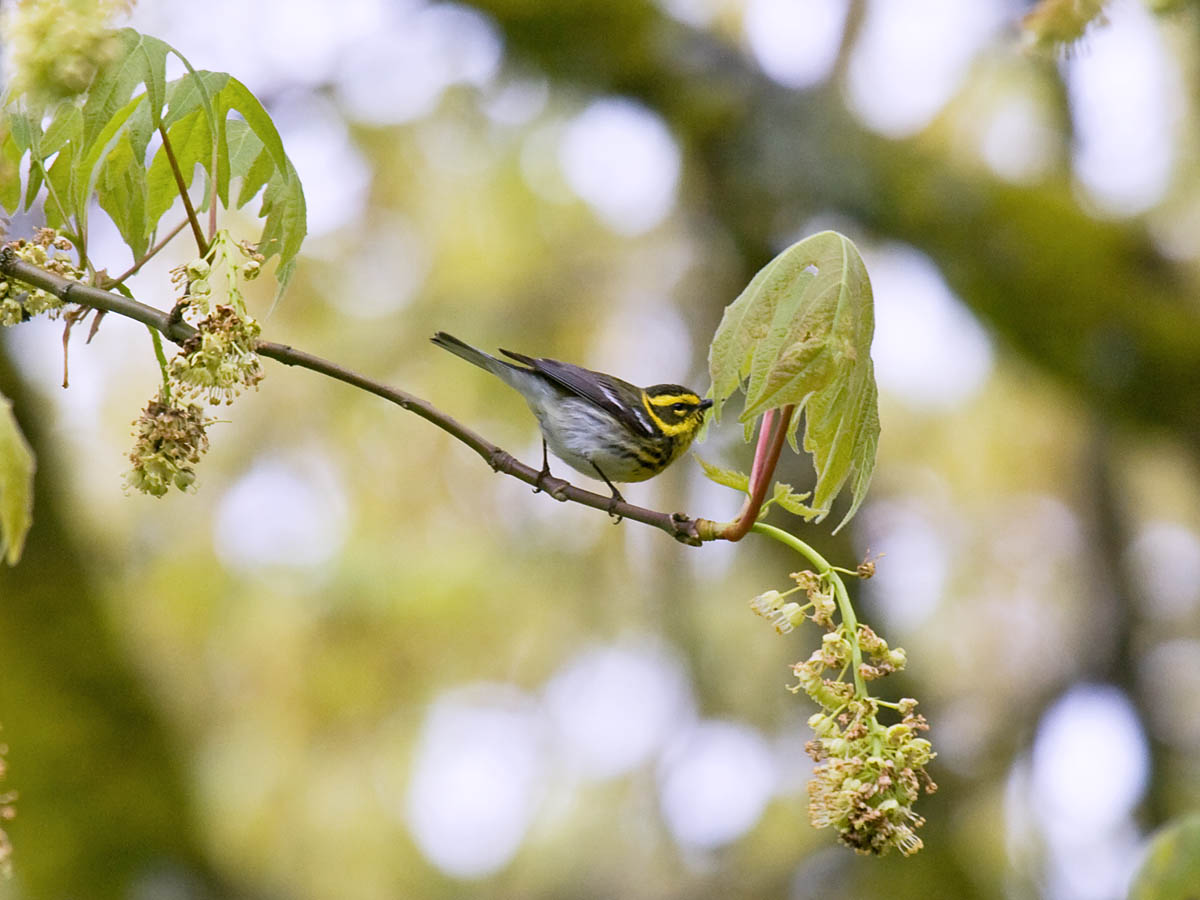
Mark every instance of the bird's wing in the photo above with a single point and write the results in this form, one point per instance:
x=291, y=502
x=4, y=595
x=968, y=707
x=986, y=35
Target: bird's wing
x=603, y=390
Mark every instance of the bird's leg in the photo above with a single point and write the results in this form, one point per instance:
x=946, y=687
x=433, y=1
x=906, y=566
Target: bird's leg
x=545, y=473
x=616, y=497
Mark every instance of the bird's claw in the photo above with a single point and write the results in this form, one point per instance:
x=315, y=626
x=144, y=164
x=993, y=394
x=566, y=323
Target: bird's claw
x=612, y=508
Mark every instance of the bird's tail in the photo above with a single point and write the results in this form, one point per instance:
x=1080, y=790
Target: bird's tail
x=473, y=355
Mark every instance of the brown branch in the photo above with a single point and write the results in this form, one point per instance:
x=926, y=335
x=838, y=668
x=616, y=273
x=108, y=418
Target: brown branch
x=677, y=525
x=77, y=292
x=197, y=232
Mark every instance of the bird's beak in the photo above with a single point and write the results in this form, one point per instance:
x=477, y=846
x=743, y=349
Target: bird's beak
x=705, y=404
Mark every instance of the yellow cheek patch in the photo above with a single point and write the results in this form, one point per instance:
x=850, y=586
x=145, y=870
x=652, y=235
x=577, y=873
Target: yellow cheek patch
x=667, y=400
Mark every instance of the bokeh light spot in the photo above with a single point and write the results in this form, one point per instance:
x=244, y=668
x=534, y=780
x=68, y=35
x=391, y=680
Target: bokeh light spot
x=1089, y=768
x=319, y=146
x=399, y=72
x=909, y=582
x=613, y=707
x=475, y=779
x=1169, y=674
x=911, y=57
x=1125, y=98
x=795, y=43
x=1090, y=762
x=928, y=350
x=285, y=511
x=619, y=157
x=715, y=783
x=1016, y=141
x=1165, y=558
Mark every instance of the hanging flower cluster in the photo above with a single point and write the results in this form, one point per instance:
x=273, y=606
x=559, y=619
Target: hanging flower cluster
x=213, y=366
x=57, y=46
x=219, y=362
x=868, y=775
x=169, y=441
x=47, y=250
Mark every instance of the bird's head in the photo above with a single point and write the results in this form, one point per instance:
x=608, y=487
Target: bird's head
x=677, y=410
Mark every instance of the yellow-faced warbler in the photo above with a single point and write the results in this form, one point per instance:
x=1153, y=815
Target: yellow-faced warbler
x=595, y=423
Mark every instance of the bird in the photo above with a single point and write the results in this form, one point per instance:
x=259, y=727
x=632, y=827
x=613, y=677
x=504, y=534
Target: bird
x=596, y=423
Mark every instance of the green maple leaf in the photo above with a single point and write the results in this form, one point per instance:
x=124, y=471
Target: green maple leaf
x=800, y=335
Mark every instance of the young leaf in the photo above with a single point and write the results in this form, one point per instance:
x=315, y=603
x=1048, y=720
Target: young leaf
x=747, y=321
x=283, y=204
x=24, y=129
x=284, y=209
x=58, y=179
x=1170, y=868
x=739, y=481
x=85, y=173
x=16, y=484
x=212, y=121
x=121, y=192
x=140, y=62
x=191, y=142
x=23, y=134
x=10, y=169
x=237, y=96
x=788, y=499
x=247, y=157
x=65, y=127
x=248, y=147
x=194, y=127
x=800, y=334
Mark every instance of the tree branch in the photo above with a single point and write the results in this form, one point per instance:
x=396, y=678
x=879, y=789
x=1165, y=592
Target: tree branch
x=77, y=292
x=679, y=526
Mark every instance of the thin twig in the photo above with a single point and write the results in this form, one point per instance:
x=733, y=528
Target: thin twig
x=212, y=197
x=150, y=254
x=201, y=243
x=70, y=317
x=681, y=527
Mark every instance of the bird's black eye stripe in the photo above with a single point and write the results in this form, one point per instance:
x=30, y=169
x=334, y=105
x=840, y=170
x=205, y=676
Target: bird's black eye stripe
x=680, y=407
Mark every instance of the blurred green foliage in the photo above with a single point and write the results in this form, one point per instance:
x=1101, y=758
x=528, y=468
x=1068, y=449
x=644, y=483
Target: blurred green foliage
x=1171, y=870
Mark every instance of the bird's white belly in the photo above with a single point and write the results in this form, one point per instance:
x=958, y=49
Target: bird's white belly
x=585, y=437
